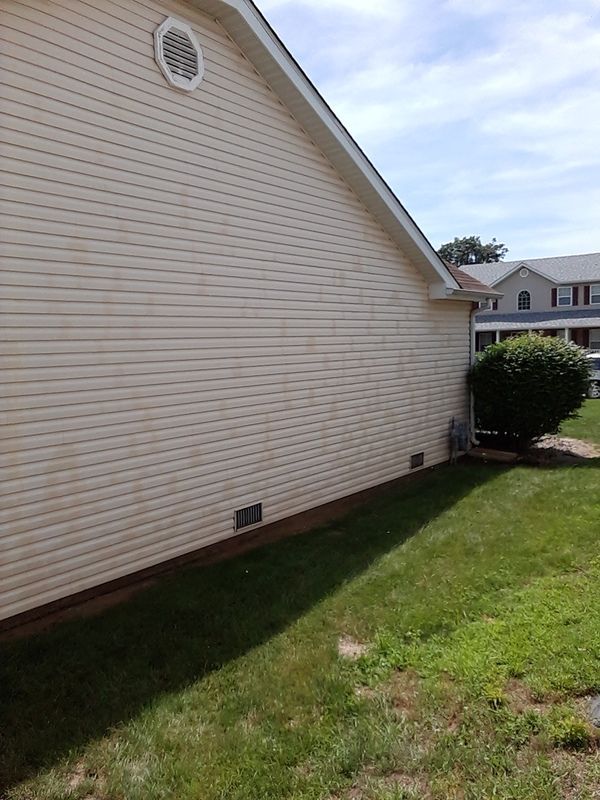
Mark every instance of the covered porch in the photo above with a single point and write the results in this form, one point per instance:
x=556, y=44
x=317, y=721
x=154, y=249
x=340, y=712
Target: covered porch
x=580, y=328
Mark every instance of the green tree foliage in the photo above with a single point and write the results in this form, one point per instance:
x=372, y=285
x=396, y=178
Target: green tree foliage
x=525, y=387
x=470, y=250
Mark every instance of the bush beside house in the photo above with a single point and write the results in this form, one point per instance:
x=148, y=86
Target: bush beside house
x=525, y=387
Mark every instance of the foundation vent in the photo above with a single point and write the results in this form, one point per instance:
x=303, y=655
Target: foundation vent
x=251, y=515
x=417, y=460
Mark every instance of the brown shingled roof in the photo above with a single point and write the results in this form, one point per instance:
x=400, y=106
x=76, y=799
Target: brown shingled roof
x=466, y=281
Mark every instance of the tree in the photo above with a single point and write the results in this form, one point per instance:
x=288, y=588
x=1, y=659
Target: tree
x=525, y=387
x=470, y=250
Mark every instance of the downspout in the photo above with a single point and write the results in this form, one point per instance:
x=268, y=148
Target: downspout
x=472, y=334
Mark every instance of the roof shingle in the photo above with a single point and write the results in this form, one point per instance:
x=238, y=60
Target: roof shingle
x=560, y=318
x=466, y=281
x=560, y=269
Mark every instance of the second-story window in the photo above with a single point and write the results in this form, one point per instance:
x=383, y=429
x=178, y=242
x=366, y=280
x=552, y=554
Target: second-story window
x=595, y=293
x=565, y=296
x=524, y=301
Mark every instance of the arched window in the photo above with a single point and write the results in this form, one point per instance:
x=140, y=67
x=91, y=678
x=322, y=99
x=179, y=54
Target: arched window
x=524, y=301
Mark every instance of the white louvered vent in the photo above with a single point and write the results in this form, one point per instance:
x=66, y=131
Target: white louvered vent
x=178, y=54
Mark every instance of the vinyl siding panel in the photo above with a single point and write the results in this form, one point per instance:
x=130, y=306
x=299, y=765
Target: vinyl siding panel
x=198, y=313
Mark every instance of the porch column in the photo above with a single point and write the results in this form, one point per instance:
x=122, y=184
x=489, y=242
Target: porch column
x=497, y=336
x=567, y=334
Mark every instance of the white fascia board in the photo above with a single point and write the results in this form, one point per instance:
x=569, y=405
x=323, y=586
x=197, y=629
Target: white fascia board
x=250, y=31
x=439, y=291
x=470, y=294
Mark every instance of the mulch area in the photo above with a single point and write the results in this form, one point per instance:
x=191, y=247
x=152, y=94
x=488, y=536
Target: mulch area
x=561, y=450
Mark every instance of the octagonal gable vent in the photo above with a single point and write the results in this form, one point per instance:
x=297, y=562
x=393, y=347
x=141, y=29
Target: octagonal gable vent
x=178, y=54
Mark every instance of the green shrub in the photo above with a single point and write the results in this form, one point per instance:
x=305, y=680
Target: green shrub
x=525, y=387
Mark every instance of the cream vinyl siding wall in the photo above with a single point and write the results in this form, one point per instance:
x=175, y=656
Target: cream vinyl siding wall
x=197, y=313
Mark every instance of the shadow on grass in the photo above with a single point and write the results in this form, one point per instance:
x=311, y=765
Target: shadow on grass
x=60, y=689
x=561, y=463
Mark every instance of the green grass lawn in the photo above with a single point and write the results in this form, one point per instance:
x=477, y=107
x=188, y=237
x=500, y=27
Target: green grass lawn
x=587, y=426
x=468, y=601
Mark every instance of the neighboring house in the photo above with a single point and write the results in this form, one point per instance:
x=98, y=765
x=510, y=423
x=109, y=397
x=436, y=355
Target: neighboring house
x=554, y=296
x=216, y=314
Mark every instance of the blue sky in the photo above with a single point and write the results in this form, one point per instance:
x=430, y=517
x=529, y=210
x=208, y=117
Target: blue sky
x=483, y=115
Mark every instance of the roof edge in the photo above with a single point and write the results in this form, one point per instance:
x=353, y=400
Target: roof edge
x=550, y=325
x=441, y=292
x=523, y=265
x=258, y=41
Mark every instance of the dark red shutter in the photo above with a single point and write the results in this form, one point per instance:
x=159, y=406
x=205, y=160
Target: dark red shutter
x=586, y=295
x=576, y=295
x=554, y=296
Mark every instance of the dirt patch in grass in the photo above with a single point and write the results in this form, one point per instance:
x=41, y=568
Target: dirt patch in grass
x=577, y=775
x=403, y=692
x=454, y=719
x=408, y=783
x=368, y=784
x=521, y=699
x=77, y=776
x=252, y=719
x=365, y=692
x=350, y=648
x=452, y=705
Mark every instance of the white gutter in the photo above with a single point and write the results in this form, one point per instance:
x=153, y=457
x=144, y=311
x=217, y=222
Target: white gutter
x=477, y=297
x=439, y=291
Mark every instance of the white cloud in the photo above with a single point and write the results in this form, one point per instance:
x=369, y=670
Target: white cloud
x=528, y=62
x=480, y=113
x=377, y=7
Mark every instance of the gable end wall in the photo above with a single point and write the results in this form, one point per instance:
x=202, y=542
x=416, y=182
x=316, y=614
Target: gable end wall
x=198, y=313
x=539, y=287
